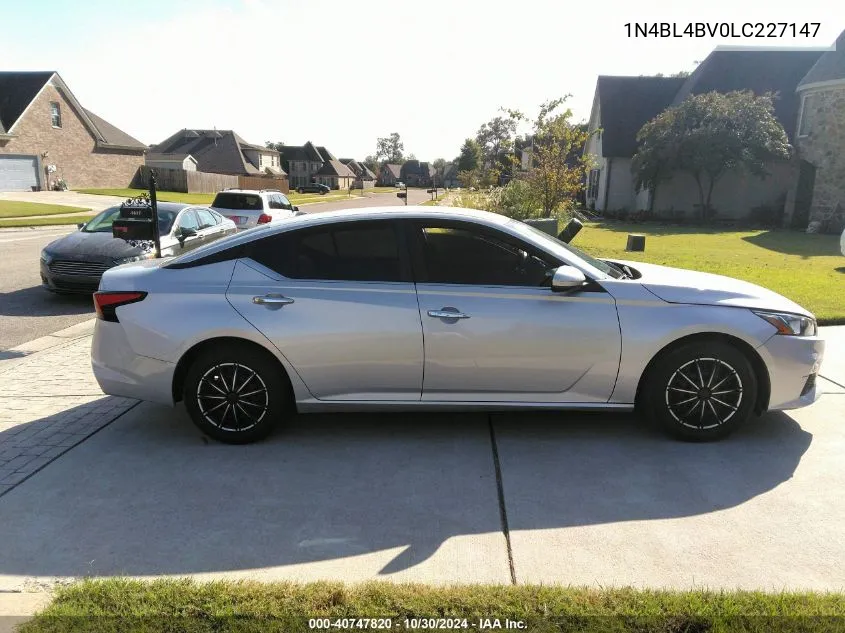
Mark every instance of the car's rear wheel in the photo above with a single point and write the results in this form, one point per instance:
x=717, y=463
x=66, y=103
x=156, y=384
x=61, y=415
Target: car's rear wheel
x=236, y=394
x=299, y=190
x=700, y=391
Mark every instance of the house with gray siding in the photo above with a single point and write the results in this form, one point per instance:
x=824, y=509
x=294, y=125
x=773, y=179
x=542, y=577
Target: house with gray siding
x=622, y=105
x=220, y=152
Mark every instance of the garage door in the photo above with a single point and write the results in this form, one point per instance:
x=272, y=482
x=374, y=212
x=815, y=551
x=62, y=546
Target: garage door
x=18, y=173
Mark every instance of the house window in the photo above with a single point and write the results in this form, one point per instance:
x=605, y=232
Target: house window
x=593, y=184
x=55, y=114
x=808, y=115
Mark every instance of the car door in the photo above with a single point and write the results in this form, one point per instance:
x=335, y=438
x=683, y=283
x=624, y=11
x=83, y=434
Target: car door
x=187, y=220
x=209, y=229
x=493, y=329
x=338, y=302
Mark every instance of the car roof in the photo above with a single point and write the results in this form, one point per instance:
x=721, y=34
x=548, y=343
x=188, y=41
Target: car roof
x=333, y=217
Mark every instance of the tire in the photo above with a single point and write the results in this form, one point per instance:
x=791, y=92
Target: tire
x=705, y=406
x=299, y=190
x=211, y=376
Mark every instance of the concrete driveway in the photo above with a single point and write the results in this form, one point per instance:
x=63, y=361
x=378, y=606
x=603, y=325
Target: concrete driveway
x=580, y=499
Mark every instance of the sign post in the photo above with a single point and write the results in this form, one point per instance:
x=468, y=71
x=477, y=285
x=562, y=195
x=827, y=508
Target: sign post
x=154, y=205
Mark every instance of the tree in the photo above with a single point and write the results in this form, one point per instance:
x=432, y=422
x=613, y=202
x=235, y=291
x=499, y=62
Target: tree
x=707, y=136
x=470, y=158
x=495, y=138
x=558, y=165
x=278, y=146
x=439, y=166
x=389, y=149
x=371, y=162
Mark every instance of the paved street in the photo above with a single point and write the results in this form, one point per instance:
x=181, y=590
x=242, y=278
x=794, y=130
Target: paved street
x=28, y=312
x=588, y=499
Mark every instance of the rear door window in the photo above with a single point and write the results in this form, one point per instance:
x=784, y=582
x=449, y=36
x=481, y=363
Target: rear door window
x=356, y=251
x=238, y=201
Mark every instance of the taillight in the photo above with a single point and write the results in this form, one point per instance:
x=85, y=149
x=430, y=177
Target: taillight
x=106, y=303
x=264, y=218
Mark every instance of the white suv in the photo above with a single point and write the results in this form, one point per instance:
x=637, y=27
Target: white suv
x=249, y=207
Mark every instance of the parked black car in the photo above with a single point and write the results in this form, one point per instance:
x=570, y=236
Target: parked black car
x=75, y=262
x=314, y=187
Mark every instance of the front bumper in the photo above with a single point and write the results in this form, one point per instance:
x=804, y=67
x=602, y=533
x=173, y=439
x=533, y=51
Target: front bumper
x=81, y=284
x=121, y=372
x=793, y=363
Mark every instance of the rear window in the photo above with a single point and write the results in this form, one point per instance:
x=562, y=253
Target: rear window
x=238, y=201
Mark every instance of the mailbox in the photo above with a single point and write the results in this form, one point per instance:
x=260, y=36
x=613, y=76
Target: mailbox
x=135, y=221
x=401, y=194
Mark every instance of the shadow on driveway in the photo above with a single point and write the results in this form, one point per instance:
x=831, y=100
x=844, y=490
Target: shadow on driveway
x=150, y=495
x=36, y=301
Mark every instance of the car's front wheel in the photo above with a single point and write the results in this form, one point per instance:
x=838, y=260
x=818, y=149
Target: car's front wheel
x=235, y=394
x=700, y=391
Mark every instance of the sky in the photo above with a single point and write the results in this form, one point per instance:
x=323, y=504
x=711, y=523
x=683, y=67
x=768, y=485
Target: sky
x=341, y=73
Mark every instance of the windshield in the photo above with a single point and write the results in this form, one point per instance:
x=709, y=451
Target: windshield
x=552, y=243
x=102, y=223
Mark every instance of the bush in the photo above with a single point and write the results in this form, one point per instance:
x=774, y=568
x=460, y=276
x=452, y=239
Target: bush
x=768, y=215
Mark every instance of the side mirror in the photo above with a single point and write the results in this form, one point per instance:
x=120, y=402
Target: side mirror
x=567, y=278
x=295, y=209
x=183, y=233
x=80, y=225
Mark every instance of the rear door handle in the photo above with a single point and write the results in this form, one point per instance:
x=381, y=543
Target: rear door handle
x=272, y=300
x=447, y=313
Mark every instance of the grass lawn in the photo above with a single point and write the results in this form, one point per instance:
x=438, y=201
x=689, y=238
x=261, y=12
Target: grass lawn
x=11, y=209
x=809, y=269
x=184, y=605
x=73, y=219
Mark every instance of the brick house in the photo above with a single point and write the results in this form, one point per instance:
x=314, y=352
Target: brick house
x=310, y=163
x=818, y=196
x=46, y=135
x=416, y=173
x=389, y=175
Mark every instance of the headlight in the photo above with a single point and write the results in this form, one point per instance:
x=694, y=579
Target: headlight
x=128, y=260
x=790, y=324
x=46, y=257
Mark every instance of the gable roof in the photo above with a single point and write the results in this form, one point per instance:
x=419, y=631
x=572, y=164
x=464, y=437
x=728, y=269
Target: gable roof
x=829, y=67
x=335, y=168
x=628, y=103
x=216, y=151
x=758, y=70
x=112, y=136
x=19, y=89
x=395, y=170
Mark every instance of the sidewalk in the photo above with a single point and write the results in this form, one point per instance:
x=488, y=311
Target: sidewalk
x=45, y=412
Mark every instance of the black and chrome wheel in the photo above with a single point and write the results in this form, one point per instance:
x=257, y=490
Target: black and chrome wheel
x=235, y=394
x=701, y=391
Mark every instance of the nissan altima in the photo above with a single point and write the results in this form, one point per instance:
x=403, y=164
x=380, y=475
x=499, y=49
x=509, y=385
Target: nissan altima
x=422, y=308
x=75, y=262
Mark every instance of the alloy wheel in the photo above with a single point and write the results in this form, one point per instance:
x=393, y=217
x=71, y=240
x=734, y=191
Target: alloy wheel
x=232, y=397
x=704, y=393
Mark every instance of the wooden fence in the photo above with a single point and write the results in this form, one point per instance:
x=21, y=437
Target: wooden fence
x=204, y=182
x=263, y=182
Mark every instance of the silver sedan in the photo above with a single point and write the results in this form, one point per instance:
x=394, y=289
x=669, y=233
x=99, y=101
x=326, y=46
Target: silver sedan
x=443, y=309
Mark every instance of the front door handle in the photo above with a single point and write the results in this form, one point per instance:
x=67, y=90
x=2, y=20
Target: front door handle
x=272, y=300
x=447, y=313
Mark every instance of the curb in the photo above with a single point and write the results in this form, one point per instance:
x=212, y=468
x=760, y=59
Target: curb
x=23, y=604
x=17, y=355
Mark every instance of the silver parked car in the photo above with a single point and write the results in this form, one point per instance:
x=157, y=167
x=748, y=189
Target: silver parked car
x=432, y=309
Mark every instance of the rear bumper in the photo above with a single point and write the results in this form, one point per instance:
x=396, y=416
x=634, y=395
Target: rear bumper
x=793, y=363
x=121, y=372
